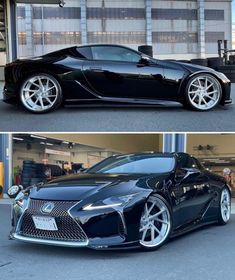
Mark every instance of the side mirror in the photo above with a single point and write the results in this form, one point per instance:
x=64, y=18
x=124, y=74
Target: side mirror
x=145, y=60
x=184, y=173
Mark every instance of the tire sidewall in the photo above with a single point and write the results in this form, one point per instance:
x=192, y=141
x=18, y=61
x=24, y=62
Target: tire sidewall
x=59, y=98
x=187, y=99
x=144, y=248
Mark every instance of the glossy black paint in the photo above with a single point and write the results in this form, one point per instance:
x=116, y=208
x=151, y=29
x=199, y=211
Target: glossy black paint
x=85, y=80
x=192, y=192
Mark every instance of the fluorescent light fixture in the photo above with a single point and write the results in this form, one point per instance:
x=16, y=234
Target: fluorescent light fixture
x=49, y=144
x=38, y=137
x=91, y=207
x=17, y=138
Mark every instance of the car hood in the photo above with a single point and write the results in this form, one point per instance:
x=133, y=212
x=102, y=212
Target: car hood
x=82, y=186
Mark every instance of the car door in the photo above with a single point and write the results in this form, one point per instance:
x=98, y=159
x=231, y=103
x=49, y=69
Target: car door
x=191, y=190
x=117, y=72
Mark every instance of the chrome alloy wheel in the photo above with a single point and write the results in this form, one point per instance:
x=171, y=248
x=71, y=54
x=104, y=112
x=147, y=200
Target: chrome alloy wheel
x=155, y=223
x=204, y=92
x=225, y=205
x=39, y=93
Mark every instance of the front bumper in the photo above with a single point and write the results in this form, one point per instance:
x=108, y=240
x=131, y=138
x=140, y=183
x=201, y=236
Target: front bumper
x=49, y=242
x=102, y=229
x=9, y=95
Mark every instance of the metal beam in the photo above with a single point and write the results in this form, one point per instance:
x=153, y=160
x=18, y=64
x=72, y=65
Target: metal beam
x=148, y=14
x=174, y=142
x=83, y=22
x=201, y=28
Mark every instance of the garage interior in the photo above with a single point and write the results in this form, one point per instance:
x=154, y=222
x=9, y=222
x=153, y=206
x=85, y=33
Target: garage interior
x=74, y=152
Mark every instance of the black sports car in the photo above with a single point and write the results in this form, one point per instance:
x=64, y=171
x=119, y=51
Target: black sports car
x=110, y=74
x=134, y=200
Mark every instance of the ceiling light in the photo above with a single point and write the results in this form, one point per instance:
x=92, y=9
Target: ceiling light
x=17, y=138
x=38, y=137
x=49, y=144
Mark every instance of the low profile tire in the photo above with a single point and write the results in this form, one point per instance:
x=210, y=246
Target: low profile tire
x=155, y=223
x=203, y=92
x=41, y=93
x=224, y=207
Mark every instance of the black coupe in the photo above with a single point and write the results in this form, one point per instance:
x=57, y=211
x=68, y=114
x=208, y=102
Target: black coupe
x=125, y=201
x=110, y=75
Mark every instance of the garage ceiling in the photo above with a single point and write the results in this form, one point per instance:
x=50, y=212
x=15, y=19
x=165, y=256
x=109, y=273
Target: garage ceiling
x=116, y=142
x=38, y=1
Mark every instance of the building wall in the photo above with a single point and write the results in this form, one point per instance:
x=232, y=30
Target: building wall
x=2, y=33
x=224, y=144
x=174, y=26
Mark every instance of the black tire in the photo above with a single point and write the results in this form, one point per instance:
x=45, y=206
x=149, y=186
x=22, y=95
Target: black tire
x=145, y=49
x=166, y=229
x=221, y=220
x=188, y=102
x=16, y=191
x=56, y=102
x=28, y=162
x=215, y=62
x=228, y=71
x=199, y=61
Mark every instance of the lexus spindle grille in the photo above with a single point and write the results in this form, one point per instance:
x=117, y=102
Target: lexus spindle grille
x=68, y=228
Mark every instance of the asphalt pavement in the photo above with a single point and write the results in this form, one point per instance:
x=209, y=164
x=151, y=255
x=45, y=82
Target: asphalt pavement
x=207, y=253
x=161, y=118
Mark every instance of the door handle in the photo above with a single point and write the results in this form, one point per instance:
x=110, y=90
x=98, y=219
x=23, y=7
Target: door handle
x=96, y=69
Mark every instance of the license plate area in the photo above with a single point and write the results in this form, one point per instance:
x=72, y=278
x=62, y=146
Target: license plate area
x=45, y=223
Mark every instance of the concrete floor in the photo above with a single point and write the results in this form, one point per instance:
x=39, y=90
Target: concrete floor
x=207, y=253
x=158, y=119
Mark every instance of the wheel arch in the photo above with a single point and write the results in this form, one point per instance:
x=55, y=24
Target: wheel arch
x=25, y=72
x=188, y=77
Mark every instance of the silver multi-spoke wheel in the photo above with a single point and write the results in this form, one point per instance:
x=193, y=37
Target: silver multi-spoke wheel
x=203, y=92
x=225, y=205
x=40, y=93
x=155, y=223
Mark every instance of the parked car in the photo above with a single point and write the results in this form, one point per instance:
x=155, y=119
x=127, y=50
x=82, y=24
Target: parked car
x=110, y=75
x=125, y=201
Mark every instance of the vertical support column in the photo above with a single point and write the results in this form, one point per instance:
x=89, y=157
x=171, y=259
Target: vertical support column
x=201, y=28
x=174, y=142
x=29, y=29
x=148, y=15
x=83, y=22
x=167, y=143
x=5, y=157
x=11, y=30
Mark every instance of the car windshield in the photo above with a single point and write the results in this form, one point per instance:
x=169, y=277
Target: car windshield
x=134, y=164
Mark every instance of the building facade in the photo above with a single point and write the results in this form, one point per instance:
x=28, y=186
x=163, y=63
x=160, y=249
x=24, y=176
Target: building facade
x=178, y=29
x=175, y=29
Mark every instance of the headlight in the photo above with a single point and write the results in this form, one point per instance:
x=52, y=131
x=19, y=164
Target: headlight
x=19, y=200
x=109, y=202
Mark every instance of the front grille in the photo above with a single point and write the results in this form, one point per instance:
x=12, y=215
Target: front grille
x=68, y=228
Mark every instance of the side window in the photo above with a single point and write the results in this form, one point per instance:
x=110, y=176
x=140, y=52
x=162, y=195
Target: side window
x=114, y=54
x=84, y=52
